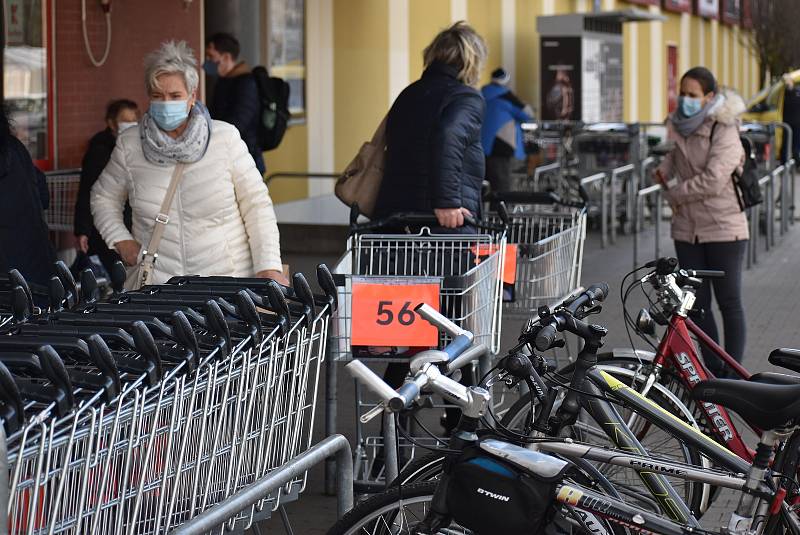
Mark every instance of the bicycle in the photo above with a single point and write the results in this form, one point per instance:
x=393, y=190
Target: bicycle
x=760, y=503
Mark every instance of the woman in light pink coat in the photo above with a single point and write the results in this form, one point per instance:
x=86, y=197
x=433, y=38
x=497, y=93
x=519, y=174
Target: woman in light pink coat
x=708, y=225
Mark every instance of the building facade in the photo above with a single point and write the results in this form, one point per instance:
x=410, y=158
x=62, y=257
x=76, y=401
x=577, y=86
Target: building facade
x=347, y=60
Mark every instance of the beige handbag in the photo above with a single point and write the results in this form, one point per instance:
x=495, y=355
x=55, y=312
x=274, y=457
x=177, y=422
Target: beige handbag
x=142, y=274
x=362, y=178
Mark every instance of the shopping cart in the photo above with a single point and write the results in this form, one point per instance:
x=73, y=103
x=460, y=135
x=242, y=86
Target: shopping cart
x=382, y=277
x=546, y=234
x=137, y=413
x=63, y=188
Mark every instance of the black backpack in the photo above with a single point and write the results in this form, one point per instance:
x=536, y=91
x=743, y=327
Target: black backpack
x=274, y=113
x=745, y=184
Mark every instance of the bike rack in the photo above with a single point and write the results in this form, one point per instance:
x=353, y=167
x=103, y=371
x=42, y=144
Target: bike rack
x=542, y=169
x=656, y=191
x=600, y=177
x=333, y=445
x=622, y=171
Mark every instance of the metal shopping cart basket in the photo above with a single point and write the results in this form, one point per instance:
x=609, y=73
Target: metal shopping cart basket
x=228, y=400
x=544, y=255
x=63, y=188
x=382, y=277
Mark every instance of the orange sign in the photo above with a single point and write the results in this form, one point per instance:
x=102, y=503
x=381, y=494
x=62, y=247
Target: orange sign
x=509, y=269
x=383, y=312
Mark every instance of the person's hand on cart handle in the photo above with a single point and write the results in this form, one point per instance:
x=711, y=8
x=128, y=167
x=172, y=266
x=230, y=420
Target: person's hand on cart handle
x=275, y=275
x=129, y=251
x=451, y=217
x=82, y=243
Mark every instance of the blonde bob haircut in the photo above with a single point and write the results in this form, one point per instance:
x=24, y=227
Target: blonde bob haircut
x=461, y=47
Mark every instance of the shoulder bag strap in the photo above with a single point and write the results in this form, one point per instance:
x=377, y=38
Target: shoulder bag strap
x=379, y=137
x=163, y=216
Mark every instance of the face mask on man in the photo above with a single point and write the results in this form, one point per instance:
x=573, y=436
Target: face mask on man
x=169, y=114
x=690, y=106
x=125, y=125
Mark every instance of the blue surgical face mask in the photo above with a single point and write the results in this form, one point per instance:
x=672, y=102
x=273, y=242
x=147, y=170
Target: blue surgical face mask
x=690, y=106
x=169, y=114
x=211, y=67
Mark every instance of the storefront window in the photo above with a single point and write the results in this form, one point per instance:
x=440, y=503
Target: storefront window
x=286, y=48
x=25, y=74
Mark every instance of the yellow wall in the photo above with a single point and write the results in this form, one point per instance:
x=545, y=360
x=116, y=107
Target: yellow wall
x=290, y=157
x=484, y=16
x=526, y=84
x=360, y=72
x=426, y=19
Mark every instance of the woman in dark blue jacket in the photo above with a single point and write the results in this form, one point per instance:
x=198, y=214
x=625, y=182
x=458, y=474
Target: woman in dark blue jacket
x=434, y=159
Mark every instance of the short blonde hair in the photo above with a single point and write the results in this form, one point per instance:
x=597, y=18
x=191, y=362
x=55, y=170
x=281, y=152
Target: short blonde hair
x=459, y=46
x=172, y=58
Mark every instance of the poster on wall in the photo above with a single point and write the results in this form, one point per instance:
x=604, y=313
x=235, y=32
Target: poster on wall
x=602, y=81
x=612, y=82
x=707, y=8
x=561, y=79
x=678, y=6
x=672, y=78
x=15, y=20
x=731, y=11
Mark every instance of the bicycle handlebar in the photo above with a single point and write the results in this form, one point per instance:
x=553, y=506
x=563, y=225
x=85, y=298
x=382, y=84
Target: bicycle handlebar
x=564, y=319
x=459, y=351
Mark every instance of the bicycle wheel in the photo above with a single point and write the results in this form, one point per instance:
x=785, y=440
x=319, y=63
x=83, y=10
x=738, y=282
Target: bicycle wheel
x=658, y=442
x=396, y=511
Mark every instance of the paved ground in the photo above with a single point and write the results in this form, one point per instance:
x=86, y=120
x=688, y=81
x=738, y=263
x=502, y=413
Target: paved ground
x=771, y=291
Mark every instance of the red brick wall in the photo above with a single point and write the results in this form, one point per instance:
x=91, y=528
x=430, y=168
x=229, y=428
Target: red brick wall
x=138, y=26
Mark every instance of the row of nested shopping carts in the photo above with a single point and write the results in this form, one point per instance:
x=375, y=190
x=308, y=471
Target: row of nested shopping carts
x=136, y=412
x=527, y=252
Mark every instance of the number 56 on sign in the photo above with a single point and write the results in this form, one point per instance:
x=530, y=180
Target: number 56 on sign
x=383, y=311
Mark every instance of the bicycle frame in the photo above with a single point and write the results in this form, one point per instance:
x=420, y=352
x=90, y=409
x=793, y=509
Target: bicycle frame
x=605, y=414
x=678, y=351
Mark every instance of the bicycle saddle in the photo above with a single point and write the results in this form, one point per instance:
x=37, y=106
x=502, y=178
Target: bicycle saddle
x=767, y=406
x=786, y=358
x=775, y=378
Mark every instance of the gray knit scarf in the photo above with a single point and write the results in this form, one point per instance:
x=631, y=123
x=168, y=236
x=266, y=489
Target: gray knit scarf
x=189, y=147
x=686, y=126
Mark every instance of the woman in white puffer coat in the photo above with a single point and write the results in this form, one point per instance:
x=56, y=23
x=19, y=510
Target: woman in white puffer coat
x=221, y=221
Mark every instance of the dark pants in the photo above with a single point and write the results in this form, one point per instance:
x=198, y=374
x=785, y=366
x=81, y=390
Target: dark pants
x=728, y=257
x=498, y=173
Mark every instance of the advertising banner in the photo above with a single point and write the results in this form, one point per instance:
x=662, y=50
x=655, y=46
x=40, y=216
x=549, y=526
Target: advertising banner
x=561, y=79
x=731, y=11
x=672, y=78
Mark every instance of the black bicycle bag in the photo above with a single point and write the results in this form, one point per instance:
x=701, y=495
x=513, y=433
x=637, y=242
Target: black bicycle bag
x=488, y=495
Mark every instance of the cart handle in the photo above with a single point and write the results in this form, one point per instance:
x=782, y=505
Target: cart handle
x=422, y=219
x=539, y=197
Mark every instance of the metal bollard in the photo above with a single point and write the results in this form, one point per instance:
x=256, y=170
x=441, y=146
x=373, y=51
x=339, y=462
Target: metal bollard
x=331, y=398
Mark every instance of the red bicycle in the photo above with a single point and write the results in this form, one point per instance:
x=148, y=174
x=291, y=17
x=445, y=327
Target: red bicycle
x=668, y=374
x=676, y=363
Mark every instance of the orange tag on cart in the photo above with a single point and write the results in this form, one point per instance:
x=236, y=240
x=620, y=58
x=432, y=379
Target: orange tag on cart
x=509, y=269
x=383, y=312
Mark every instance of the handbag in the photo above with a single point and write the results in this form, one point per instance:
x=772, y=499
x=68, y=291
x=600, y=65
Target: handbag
x=745, y=182
x=142, y=273
x=361, y=180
